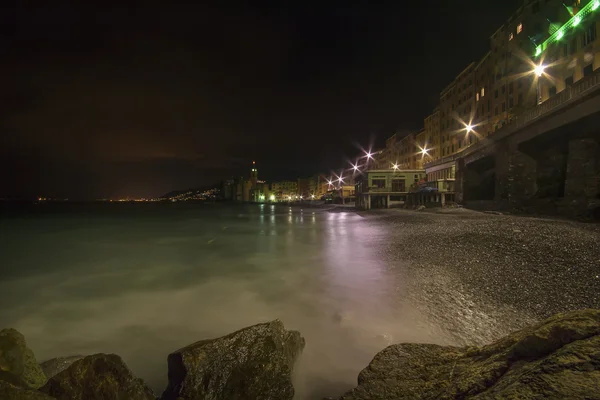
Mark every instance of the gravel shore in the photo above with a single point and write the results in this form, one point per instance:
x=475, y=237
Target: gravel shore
x=481, y=276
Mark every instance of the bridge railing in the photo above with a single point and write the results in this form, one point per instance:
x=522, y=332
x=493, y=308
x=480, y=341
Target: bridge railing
x=574, y=92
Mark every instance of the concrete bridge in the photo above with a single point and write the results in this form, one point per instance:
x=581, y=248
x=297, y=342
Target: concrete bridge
x=546, y=159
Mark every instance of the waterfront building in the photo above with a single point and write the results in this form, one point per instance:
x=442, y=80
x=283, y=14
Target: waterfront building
x=285, y=190
x=540, y=51
x=386, y=187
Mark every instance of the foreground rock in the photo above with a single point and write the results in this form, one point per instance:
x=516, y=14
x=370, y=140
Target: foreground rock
x=556, y=359
x=18, y=359
x=55, y=365
x=14, y=388
x=99, y=376
x=252, y=363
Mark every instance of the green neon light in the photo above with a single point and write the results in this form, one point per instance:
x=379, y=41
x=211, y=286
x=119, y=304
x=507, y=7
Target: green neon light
x=574, y=21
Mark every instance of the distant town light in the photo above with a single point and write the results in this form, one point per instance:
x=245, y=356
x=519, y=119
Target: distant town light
x=272, y=197
x=539, y=69
x=312, y=196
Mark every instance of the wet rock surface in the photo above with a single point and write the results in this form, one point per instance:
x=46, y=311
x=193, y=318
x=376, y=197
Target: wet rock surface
x=556, y=359
x=252, y=363
x=18, y=359
x=99, y=376
x=55, y=365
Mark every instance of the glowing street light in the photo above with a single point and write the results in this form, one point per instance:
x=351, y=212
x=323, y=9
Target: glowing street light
x=424, y=151
x=341, y=179
x=312, y=196
x=469, y=128
x=395, y=166
x=539, y=69
x=355, y=167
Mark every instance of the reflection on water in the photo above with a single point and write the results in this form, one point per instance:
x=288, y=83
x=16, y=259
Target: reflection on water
x=143, y=282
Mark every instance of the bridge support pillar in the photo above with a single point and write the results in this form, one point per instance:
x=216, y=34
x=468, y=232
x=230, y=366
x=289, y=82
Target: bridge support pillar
x=516, y=175
x=582, y=181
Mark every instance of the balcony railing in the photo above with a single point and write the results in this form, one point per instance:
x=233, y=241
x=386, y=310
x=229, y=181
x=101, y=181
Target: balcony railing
x=570, y=94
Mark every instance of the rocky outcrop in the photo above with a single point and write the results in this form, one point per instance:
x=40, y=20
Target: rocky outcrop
x=252, y=363
x=55, y=365
x=18, y=359
x=99, y=376
x=14, y=388
x=556, y=359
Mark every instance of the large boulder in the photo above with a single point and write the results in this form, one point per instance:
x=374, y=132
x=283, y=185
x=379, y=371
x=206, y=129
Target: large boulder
x=14, y=388
x=252, y=363
x=55, y=365
x=556, y=359
x=99, y=376
x=18, y=359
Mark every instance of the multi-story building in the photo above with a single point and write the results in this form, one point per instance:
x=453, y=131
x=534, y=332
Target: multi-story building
x=307, y=187
x=284, y=190
x=432, y=134
x=542, y=49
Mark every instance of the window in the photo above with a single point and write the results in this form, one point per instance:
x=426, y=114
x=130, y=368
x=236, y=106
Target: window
x=569, y=81
x=379, y=183
x=477, y=97
x=482, y=92
x=503, y=107
x=588, y=70
x=573, y=46
x=520, y=84
x=496, y=94
x=510, y=88
x=398, y=185
x=520, y=98
x=496, y=111
x=590, y=34
x=552, y=91
x=510, y=36
x=519, y=28
x=511, y=103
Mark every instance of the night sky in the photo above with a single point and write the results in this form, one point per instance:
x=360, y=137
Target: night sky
x=137, y=101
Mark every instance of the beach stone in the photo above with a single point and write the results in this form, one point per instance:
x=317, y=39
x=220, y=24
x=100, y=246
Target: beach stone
x=18, y=359
x=95, y=377
x=253, y=363
x=555, y=359
x=55, y=365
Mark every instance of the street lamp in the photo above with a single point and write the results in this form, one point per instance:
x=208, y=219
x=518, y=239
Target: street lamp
x=469, y=128
x=355, y=167
x=395, y=166
x=539, y=71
